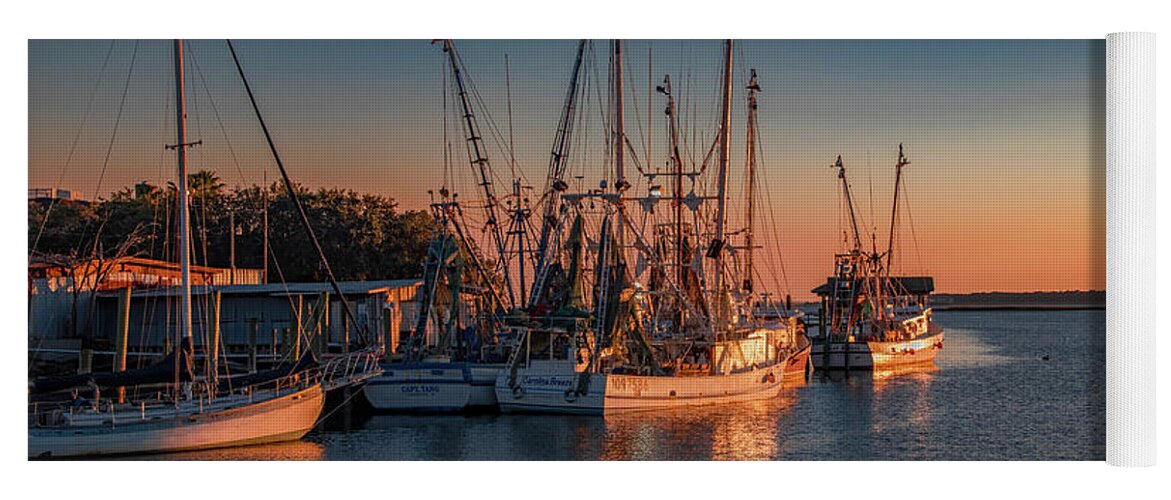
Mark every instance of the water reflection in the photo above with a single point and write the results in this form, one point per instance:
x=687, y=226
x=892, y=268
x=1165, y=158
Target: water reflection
x=293, y=450
x=742, y=431
x=988, y=396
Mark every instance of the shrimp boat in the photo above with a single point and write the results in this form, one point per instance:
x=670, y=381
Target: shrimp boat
x=186, y=414
x=870, y=320
x=451, y=360
x=646, y=333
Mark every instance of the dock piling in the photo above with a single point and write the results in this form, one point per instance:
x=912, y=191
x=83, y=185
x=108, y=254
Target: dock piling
x=253, y=331
x=122, y=337
x=213, y=352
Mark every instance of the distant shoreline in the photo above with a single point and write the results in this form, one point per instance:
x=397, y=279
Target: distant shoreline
x=1021, y=307
x=1094, y=300
x=1032, y=301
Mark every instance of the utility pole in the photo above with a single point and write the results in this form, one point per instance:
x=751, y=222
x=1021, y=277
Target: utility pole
x=232, y=246
x=264, y=198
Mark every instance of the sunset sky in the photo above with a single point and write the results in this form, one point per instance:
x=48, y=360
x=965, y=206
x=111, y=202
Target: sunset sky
x=1006, y=187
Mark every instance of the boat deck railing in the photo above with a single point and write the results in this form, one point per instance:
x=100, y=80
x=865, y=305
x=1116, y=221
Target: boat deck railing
x=350, y=368
x=105, y=412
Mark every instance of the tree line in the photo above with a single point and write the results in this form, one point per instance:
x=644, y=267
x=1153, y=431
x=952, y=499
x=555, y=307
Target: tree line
x=364, y=236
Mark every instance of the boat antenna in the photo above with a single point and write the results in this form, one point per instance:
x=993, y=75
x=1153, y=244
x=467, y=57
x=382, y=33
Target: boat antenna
x=297, y=200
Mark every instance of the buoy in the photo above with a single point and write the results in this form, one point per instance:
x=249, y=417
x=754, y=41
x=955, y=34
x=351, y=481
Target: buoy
x=518, y=392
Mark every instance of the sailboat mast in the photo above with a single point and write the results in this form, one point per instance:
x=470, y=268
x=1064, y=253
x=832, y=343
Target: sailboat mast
x=184, y=333
x=894, y=211
x=750, y=182
x=725, y=150
x=180, y=147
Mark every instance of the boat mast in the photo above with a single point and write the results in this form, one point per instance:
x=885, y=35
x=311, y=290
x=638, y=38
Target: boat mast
x=677, y=173
x=619, y=137
x=722, y=186
x=557, y=165
x=479, y=159
x=890, y=249
x=750, y=182
x=180, y=147
x=184, y=333
x=849, y=202
x=676, y=192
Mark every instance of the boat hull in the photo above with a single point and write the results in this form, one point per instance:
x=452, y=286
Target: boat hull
x=433, y=387
x=799, y=366
x=552, y=392
x=877, y=355
x=282, y=418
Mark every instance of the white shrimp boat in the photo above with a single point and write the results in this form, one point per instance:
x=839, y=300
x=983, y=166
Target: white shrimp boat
x=688, y=337
x=870, y=320
x=869, y=355
x=433, y=386
x=746, y=370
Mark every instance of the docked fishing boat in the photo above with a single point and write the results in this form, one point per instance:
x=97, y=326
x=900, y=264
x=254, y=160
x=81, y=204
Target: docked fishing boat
x=433, y=385
x=458, y=345
x=673, y=328
x=450, y=362
x=183, y=413
x=870, y=320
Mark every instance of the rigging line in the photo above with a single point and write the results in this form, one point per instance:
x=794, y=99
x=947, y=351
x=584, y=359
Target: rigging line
x=873, y=222
x=447, y=177
x=914, y=236
x=117, y=120
x=637, y=116
x=72, y=148
x=293, y=195
x=772, y=213
x=196, y=156
x=493, y=128
x=508, y=89
x=216, y=112
x=109, y=150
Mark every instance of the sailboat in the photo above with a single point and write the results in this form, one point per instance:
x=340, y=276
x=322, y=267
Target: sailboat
x=190, y=414
x=610, y=341
x=868, y=319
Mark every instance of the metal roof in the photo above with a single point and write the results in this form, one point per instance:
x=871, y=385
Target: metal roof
x=914, y=285
x=281, y=289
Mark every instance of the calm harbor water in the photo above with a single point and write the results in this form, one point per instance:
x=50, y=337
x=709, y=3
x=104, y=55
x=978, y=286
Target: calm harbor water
x=1010, y=385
